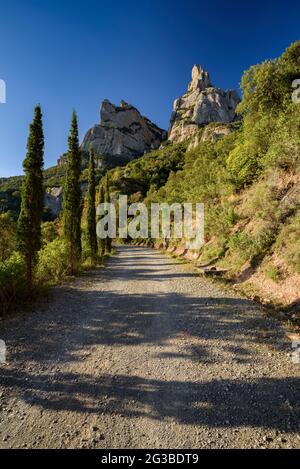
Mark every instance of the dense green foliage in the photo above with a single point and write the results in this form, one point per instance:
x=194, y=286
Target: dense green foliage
x=13, y=183
x=153, y=169
x=72, y=203
x=271, y=120
x=53, y=263
x=245, y=179
x=13, y=287
x=108, y=241
x=91, y=207
x=54, y=177
x=30, y=218
x=101, y=200
x=8, y=236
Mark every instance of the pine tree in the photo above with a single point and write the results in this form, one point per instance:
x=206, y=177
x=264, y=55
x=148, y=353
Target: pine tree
x=72, y=206
x=32, y=202
x=91, y=207
x=102, y=242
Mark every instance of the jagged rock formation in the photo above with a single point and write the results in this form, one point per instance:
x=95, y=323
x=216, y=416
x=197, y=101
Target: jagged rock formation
x=201, y=105
x=53, y=198
x=62, y=159
x=123, y=134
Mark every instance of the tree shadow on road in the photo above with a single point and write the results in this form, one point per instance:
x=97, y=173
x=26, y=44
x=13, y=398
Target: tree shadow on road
x=207, y=330
x=266, y=402
x=77, y=320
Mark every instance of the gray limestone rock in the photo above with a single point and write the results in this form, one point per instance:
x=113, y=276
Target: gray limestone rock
x=123, y=134
x=201, y=105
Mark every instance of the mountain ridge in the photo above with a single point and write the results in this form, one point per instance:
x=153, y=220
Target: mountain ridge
x=124, y=135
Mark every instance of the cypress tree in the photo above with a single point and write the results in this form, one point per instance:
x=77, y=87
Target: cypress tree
x=108, y=240
x=102, y=242
x=72, y=207
x=32, y=197
x=91, y=207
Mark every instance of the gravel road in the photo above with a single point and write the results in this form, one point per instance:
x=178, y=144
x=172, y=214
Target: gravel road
x=146, y=354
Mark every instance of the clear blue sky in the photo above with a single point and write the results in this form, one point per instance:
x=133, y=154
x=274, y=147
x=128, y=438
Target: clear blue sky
x=72, y=54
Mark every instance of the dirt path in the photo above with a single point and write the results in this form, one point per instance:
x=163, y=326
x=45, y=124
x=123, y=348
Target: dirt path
x=146, y=354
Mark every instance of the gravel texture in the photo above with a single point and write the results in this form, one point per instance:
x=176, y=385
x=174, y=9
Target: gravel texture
x=146, y=354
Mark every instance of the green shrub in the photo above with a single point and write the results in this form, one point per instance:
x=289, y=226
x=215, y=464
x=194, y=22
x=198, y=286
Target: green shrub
x=273, y=272
x=49, y=231
x=219, y=219
x=8, y=236
x=12, y=282
x=242, y=244
x=52, y=263
x=284, y=149
x=262, y=199
x=214, y=250
x=242, y=165
x=86, y=260
x=255, y=246
x=288, y=242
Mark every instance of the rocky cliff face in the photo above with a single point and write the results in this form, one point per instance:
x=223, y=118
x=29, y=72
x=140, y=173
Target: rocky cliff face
x=53, y=198
x=123, y=134
x=201, y=105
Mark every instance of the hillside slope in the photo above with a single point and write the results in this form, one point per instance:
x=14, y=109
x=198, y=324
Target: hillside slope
x=248, y=180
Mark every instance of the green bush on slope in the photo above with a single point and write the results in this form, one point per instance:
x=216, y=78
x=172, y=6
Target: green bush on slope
x=288, y=242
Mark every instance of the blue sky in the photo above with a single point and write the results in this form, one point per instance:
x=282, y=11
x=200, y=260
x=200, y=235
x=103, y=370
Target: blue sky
x=72, y=54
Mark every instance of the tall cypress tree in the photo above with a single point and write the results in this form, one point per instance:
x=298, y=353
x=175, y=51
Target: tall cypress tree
x=101, y=200
x=91, y=207
x=72, y=206
x=32, y=202
x=107, y=199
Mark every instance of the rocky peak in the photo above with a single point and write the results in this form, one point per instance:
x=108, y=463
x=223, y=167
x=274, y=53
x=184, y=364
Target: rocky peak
x=123, y=134
x=201, y=105
x=200, y=79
